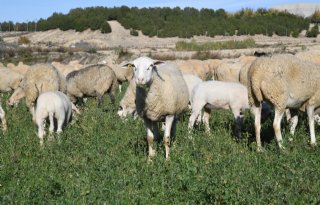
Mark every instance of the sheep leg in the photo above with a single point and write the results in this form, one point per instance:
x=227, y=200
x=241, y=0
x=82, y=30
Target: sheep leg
x=32, y=110
x=166, y=138
x=195, y=112
x=277, y=126
x=310, y=112
x=41, y=132
x=206, y=115
x=238, y=117
x=150, y=139
x=293, y=125
x=112, y=98
x=120, y=86
x=256, y=111
x=100, y=100
x=3, y=119
x=60, y=124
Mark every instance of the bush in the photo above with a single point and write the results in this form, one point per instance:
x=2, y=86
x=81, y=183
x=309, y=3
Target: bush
x=194, y=46
x=134, y=32
x=23, y=40
x=313, y=32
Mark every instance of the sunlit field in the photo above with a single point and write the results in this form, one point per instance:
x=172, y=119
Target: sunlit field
x=101, y=159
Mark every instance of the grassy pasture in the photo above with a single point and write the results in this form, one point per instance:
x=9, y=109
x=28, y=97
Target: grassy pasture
x=101, y=159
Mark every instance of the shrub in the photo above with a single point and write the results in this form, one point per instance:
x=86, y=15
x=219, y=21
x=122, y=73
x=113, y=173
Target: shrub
x=134, y=32
x=313, y=32
x=23, y=40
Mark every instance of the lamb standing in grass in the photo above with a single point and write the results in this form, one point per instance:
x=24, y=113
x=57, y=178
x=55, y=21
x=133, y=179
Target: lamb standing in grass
x=217, y=94
x=53, y=105
x=164, y=96
x=94, y=80
x=285, y=82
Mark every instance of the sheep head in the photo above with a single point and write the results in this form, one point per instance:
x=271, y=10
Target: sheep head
x=143, y=68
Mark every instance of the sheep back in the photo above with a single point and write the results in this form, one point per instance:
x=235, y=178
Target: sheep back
x=284, y=80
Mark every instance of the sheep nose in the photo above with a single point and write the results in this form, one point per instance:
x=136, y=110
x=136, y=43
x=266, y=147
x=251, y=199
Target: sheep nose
x=141, y=80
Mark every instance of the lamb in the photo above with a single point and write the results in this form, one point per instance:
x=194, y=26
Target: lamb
x=40, y=78
x=217, y=94
x=3, y=119
x=285, y=82
x=164, y=96
x=53, y=105
x=9, y=79
x=94, y=80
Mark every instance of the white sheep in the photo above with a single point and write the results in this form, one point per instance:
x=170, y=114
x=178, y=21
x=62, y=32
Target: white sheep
x=53, y=105
x=285, y=82
x=164, y=96
x=218, y=94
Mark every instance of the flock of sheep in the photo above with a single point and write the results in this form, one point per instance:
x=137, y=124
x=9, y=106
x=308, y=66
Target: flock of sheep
x=160, y=91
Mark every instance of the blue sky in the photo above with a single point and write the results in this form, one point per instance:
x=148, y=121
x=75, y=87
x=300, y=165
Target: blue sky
x=30, y=10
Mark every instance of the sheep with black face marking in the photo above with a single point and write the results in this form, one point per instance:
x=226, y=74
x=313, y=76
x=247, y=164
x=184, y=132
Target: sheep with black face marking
x=55, y=105
x=94, y=80
x=285, y=82
x=164, y=96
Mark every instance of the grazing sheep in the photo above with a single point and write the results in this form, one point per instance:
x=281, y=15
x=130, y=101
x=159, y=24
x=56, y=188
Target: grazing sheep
x=3, y=119
x=122, y=74
x=217, y=94
x=21, y=68
x=16, y=96
x=128, y=102
x=94, y=80
x=9, y=79
x=53, y=105
x=164, y=96
x=285, y=82
x=65, y=69
x=41, y=78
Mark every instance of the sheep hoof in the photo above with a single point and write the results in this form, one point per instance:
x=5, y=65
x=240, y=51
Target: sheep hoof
x=260, y=149
x=290, y=139
x=313, y=144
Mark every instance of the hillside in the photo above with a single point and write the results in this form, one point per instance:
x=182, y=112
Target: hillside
x=302, y=9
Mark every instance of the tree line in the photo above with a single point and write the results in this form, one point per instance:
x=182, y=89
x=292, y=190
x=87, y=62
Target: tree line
x=172, y=22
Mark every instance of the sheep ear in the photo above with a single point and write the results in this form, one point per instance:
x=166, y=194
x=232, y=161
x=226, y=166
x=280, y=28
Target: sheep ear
x=128, y=65
x=156, y=62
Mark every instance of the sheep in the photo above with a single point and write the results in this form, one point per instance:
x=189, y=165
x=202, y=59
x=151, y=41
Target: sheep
x=3, y=119
x=164, y=96
x=94, y=80
x=65, y=69
x=54, y=104
x=41, y=78
x=16, y=96
x=21, y=68
x=311, y=56
x=218, y=94
x=9, y=79
x=285, y=82
x=127, y=104
x=122, y=74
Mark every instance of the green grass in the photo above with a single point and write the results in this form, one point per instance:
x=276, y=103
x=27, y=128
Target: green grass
x=196, y=46
x=101, y=159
